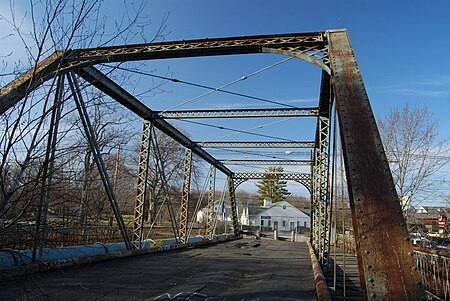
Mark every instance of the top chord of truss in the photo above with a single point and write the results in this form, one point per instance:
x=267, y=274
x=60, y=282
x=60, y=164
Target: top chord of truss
x=274, y=112
x=296, y=42
x=312, y=47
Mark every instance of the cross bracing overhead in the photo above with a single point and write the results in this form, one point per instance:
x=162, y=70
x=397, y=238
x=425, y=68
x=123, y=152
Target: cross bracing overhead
x=375, y=208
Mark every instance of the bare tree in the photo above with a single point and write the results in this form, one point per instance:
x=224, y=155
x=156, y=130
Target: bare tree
x=44, y=27
x=415, y=152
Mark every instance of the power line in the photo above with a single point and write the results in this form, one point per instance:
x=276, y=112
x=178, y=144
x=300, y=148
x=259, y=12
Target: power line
x=235, y=130
x=213, y=89
x=253, y=128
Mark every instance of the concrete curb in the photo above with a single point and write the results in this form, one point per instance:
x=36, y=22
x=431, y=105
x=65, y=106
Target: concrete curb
x=41, y=267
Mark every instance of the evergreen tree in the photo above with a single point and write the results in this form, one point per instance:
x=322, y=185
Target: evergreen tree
x=272, y=187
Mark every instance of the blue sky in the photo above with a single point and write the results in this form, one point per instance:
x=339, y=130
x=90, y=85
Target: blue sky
x=401, y=47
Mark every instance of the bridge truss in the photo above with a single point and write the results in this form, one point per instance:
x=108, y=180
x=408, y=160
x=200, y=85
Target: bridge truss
x=386, y=271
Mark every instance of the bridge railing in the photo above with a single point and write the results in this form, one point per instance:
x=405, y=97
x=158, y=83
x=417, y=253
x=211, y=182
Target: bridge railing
x=434, y=268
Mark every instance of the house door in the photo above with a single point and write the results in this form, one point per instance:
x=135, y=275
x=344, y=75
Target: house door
x=292, y=225
x=275, y=225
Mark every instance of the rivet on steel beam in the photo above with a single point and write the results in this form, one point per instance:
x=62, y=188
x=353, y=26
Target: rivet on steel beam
x=360, y=211
x=364, y=236
x=372, y=295
x=363, y=224
x=407, y=238
x=411, y=253
x=370, y=279
x=367, y=252
x=414, y=268
x=368, y=266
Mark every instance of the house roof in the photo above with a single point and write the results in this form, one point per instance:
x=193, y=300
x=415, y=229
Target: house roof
x=431, y=212
x=253, y=211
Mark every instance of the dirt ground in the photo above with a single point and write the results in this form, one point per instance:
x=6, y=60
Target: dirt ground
x=244, y=270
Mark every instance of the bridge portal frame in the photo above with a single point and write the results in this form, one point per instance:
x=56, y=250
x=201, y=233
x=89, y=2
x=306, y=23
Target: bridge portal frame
x=376, y=213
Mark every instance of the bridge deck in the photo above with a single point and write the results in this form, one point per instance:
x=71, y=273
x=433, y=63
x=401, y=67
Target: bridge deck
x=346, y=285
x=238, y=270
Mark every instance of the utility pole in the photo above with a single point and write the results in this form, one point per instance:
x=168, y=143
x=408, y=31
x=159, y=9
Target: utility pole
x=116, y=172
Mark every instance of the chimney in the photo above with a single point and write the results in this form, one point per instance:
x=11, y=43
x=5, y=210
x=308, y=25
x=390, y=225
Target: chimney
x=267, y=202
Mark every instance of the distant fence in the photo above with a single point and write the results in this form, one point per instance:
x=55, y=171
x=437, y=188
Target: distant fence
x=434, y=268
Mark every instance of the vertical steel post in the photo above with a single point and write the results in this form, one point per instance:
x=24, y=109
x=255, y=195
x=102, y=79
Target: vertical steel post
x=211, y=200
x=185, y=191
x=385, y=259
x=92, y=140
x=141, y=200
x=323, y=189
x=232, y=194
x=315, y=203
x=321, y=173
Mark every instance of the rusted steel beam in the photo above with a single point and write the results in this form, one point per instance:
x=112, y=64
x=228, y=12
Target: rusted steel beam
x=322, y=292
x=249, y=113
x=386, y=261
x=433, y=252
x=107, y=86
x=23, y=85
x=200, y=47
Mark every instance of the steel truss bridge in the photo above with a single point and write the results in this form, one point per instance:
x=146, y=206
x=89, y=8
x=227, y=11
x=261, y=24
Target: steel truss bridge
x=386, y=271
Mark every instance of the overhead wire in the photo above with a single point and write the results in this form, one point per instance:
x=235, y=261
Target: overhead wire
x=254, y=128
x=220, y=89
x=212, y=89
x=235, y=130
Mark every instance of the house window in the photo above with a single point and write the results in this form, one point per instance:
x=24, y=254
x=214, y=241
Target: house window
x=292, y=226
x=275, y=225
x=262, y=223
x=268, y=223
x=284, y=223
x=304, y=224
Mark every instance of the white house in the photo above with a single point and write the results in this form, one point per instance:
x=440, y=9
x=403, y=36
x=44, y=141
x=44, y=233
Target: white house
x=222, y=210
x=279, y=216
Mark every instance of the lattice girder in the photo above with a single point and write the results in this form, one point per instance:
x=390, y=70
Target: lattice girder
x=211, y=200
x=257, y=144
x=141, y=201
x=185, y=192
x=232, y=195
x=274, y=112
x=302, y=178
